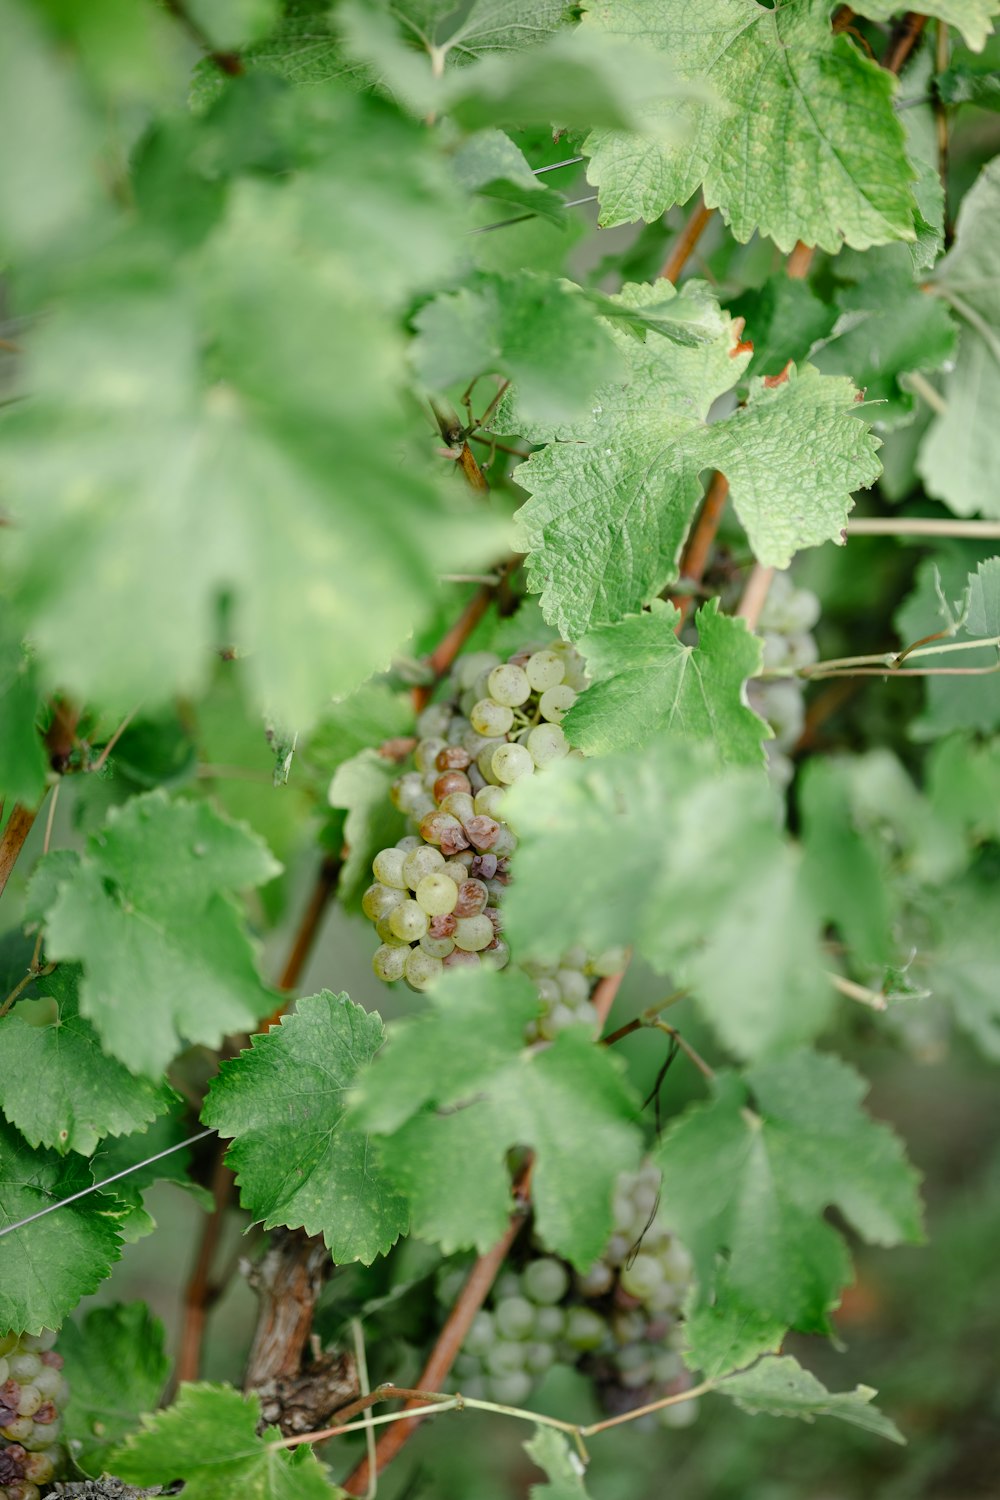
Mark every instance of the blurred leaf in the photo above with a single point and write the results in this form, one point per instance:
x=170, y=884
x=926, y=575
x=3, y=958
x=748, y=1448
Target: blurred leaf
x=551, y=1452
x=362, y=785
x=779, y=1387
x=117, y=1367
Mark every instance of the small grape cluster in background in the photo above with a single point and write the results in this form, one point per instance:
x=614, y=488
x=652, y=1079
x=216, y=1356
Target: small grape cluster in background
x=786, y=623
x=619, y=1321
x=437, y=894
x=33, y=1393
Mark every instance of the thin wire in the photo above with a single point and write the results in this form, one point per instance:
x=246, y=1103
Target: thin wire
x=570, y=161
x=96, y=1186
x=520, y=218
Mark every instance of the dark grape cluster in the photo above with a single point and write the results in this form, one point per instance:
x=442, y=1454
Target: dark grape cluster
x=786, y=623
x=33, y=1393
x=436, y=900
x=619, y=1321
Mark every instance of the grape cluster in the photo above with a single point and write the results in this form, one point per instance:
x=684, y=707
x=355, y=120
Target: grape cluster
x=32, y=1394
x=786, y=623
x=618, y=1321
x=437, y=894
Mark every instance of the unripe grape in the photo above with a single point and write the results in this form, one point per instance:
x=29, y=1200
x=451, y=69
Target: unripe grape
x=387, y=867
x=459, y=805
x=506, y=1356
x=538, y=1358
x=437, y=947
x=546, y=744
x=574, y=988
x=489, y=801
x=389, y=962
x=473, y=933
x=43, y=1436
x=422, y=969
x=509, y=685
x=490, y=719
x=482, y=1335
x=596, y=1281
x=420, y=862
x=438, y=894
x=512, y=1389
x=545, y=1280
x=25, y=1366
x=642, y=1278
x=511, y=762
x=380, y=901
x=550, y=1323
x=408, y=921
x=29, y=1401
x=556, y=702
x=496, y=956
x=409, y=843
x=386, y=934
x=515, y=1317
x=545, y=669
x=585, y=1331
x=609, y=961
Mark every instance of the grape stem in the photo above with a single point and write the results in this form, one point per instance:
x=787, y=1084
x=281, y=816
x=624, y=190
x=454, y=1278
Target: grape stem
x=686, y=241
x=687, y=1049
x=647, y=1018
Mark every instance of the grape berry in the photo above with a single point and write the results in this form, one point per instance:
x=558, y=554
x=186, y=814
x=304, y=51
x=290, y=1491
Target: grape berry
x=33, y=1393
x=786, y=623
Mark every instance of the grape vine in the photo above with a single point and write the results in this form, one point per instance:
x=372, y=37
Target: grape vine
x=498, y=738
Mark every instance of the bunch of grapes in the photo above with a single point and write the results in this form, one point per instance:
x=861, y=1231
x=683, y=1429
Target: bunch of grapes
x=437, y=894
x=786, y=622
x=32, y=1394
x=619, y=1321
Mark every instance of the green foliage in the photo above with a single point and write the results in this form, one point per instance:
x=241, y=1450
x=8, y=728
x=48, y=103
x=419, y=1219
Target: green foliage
x=781, y=1388
x=116, y=1367
x=799, y=142
x=147, y=910
x=209, y=1439
x=750, y=1174
x=305, y=1167
x=552, y=1452
x=647, y=685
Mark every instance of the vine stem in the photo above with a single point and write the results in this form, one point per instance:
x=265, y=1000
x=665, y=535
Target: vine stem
x=755, y=594
x=229, y=63
x=451, y=644
x=685, y=242
x=18, y=827
x=983, y=531
x=701, y=541
x=201, y=1291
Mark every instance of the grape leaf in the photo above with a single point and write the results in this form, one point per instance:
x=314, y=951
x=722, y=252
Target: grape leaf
x=646, y=684
x=209, y=1438
x=887, y=328
x=232, y=24
x=784, y=318
x=722, y=1335
x=800, y=141
x=551, y=1452
x=750, y=1175
x=50, y=181
x=971, y=17
x=296, y=1161
x=964, y=85
x=259, y=448
x=361, y=785
x=22, y=761
x=842, y=870
x=656, y=839
x=984, y=599
x=87, y=1094
x=147, y=910
x=959, y=456
x=50, y=1264
x=117, y=1367
x=961, y=966
x=612, y=500
x=457, y=1086
x=507, y=25
x=779, y=1387
x=538, y=332
x=131, y=1154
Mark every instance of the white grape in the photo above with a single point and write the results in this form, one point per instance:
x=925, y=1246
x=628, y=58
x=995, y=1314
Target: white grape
x=437, y=894
x=458, y=805
x=473, y=933
x=515, y=1317
x=437, y=947
x=489, y=718
x=545, y=1280
x=389, y=962
x=545, y=669
x=380, y=900
x=408, y=921
x=556, y=702
x=546, y=744
x=509, y=685
x=489, y=801
x=387, y=867
x=421, y=969
x=510, y=762
x=420, y=862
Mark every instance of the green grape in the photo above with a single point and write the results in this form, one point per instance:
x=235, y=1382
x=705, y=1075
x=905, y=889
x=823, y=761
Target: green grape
x=434, y=721
x=510, y=762
x=4, y=1369
x=585, y=1331
x=387, y=936
x=473, y=665
x=427, y=752
x=419, y=862
x=380, y=901
x=472, y=934
x=545, y=669
x=49, y=1381
x=25, y=1366
x=407, y=791
x=482, y=1335
x=642, y=1278
x=511, y=1389
x=408, y=921
x=545, y=1281
x=389, y=962
x=556, y=702
x=546, y=744
x=29, y=1401
x=489, y=801
x=437, y=947
x=538, y=1358
x=387, y=867
x=497, y=955
x=509, y=685
x=20, y=1430
x=515, y=1317
x=596, y=1281
x=489, y=718
x=574, y=987
x=505, y=1357
x=550, y=1322
x=422, y=969
x=458, y=805
x=437, y=894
